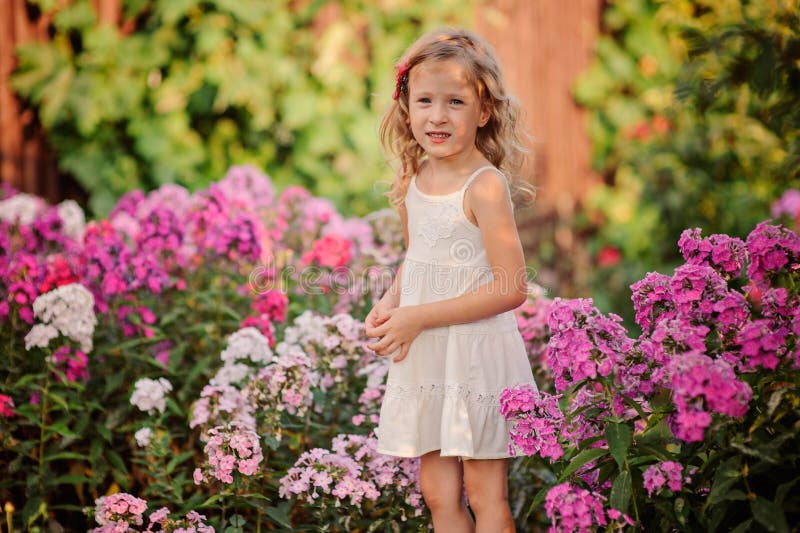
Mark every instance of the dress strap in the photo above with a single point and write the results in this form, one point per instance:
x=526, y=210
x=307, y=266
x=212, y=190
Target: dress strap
x=475, y=174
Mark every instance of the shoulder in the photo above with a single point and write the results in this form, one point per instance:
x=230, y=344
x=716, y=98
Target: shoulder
x=489, y=186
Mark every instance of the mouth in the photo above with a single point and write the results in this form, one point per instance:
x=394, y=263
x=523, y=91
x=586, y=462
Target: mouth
x=438, y=136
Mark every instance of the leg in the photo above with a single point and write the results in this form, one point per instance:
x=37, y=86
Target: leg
x=487, y=489
x=441, y=480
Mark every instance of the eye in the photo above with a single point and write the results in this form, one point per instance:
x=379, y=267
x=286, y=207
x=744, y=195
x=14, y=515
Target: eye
x=456, y=101
x=424, y=100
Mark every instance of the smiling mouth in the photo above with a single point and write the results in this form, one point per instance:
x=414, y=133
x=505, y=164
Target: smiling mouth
x=438, y=135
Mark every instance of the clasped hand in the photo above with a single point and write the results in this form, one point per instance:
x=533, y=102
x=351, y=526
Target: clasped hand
x=396, y=327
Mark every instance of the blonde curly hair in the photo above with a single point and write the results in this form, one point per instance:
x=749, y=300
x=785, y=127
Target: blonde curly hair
x=500, y=140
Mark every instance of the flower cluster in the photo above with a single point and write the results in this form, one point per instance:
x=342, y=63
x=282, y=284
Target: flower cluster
x=330, y=251
x=149, y=395
x=118, y=511
x=536, y=418
x=67, y=310
x=584, y=343
x=229, y=448
x=219, y=405
x=771, y=248
x=6, y=406
x=335, y=345
x=246, y=349
x=788, y=205
x=73, y=366
x=354, y=471
x=573, y=509
x=701, y=384
x=667, y=473
x=726, y=255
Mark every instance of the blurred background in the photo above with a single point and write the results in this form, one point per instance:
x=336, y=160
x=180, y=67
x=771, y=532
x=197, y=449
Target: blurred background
x=646, y=116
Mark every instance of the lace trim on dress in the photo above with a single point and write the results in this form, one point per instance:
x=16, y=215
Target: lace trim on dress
x=439, y=225
x=409, y=391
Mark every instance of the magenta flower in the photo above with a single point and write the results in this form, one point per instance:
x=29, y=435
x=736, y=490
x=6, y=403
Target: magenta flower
x=573, y=509
x=763, y=344
x=229, y=448
x=331, y=251
x=667, y=473
x=584, y=342
x=724, y=254
x=700, y=384
x=771, y=249
x=6, y=406
x=536, y=419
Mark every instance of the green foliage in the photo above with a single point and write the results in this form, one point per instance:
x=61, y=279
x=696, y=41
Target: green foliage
x=296, y=88
x=695, y=121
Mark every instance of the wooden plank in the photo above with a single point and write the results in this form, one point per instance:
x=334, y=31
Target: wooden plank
x=543, y=45
x=10, y=131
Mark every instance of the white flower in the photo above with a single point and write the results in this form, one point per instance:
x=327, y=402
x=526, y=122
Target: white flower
x=247, y=343
x=230, y=374
x=331, y=342
x=143, y=437
x=149, y=394
x=22, y=208
x=308, y=327
x=348, y=326
x=40, y=335
x=70, y=309
x=73, y=218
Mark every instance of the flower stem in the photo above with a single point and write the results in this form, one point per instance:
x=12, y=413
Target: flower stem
x=42, y=422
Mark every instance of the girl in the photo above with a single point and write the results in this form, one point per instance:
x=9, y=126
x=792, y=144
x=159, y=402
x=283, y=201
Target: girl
x=447, y=318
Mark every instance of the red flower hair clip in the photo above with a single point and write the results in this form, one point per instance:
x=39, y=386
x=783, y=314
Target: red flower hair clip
x=402, y=81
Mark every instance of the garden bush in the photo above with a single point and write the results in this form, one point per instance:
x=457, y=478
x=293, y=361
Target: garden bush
x=183, y=90
x=693, y=425
x=694, y=114
x=198, y=361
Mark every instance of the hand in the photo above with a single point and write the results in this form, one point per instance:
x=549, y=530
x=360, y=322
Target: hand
x=398, y=329
x=377, y=316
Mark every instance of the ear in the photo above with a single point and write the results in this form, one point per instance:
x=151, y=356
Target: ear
x=486, y=114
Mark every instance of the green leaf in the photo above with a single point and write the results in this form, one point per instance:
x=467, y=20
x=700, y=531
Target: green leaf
x=175, y=461
x=61, y=427
x=70, y=479
x=727, y=476
x=116, y=461
x=783, y=489
x=619, y=439
x=537, y=500
x=65, y=455
x=280, y=514
x=621, y=491
x=586, y=456
x=770, y=515
x=743, y=527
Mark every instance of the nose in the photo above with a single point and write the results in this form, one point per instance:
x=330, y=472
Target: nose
x=438, y=113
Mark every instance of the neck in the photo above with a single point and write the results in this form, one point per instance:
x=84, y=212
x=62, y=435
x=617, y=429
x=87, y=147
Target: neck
x=456, y=166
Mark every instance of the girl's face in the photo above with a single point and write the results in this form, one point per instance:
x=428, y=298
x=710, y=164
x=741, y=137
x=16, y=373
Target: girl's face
x=444, y=110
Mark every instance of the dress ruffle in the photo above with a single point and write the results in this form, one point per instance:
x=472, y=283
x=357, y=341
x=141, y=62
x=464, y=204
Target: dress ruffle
x=456, y=412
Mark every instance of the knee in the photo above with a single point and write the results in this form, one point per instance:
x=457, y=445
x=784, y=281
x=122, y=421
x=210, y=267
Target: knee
x=484, y=497
x=438, y=496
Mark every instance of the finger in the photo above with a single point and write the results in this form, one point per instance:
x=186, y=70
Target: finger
x=391, y=348
x=403, y=353
x=380, y=330
x=380, y=346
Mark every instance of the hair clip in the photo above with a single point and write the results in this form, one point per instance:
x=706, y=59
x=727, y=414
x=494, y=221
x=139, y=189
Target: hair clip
x=402, y=81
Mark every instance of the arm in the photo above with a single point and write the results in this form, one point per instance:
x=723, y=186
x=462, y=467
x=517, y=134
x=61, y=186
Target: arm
x=391, y=298
x=508, y=289
x=494, y=212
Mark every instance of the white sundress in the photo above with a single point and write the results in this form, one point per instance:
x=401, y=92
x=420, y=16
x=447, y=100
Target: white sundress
x=445, y=394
